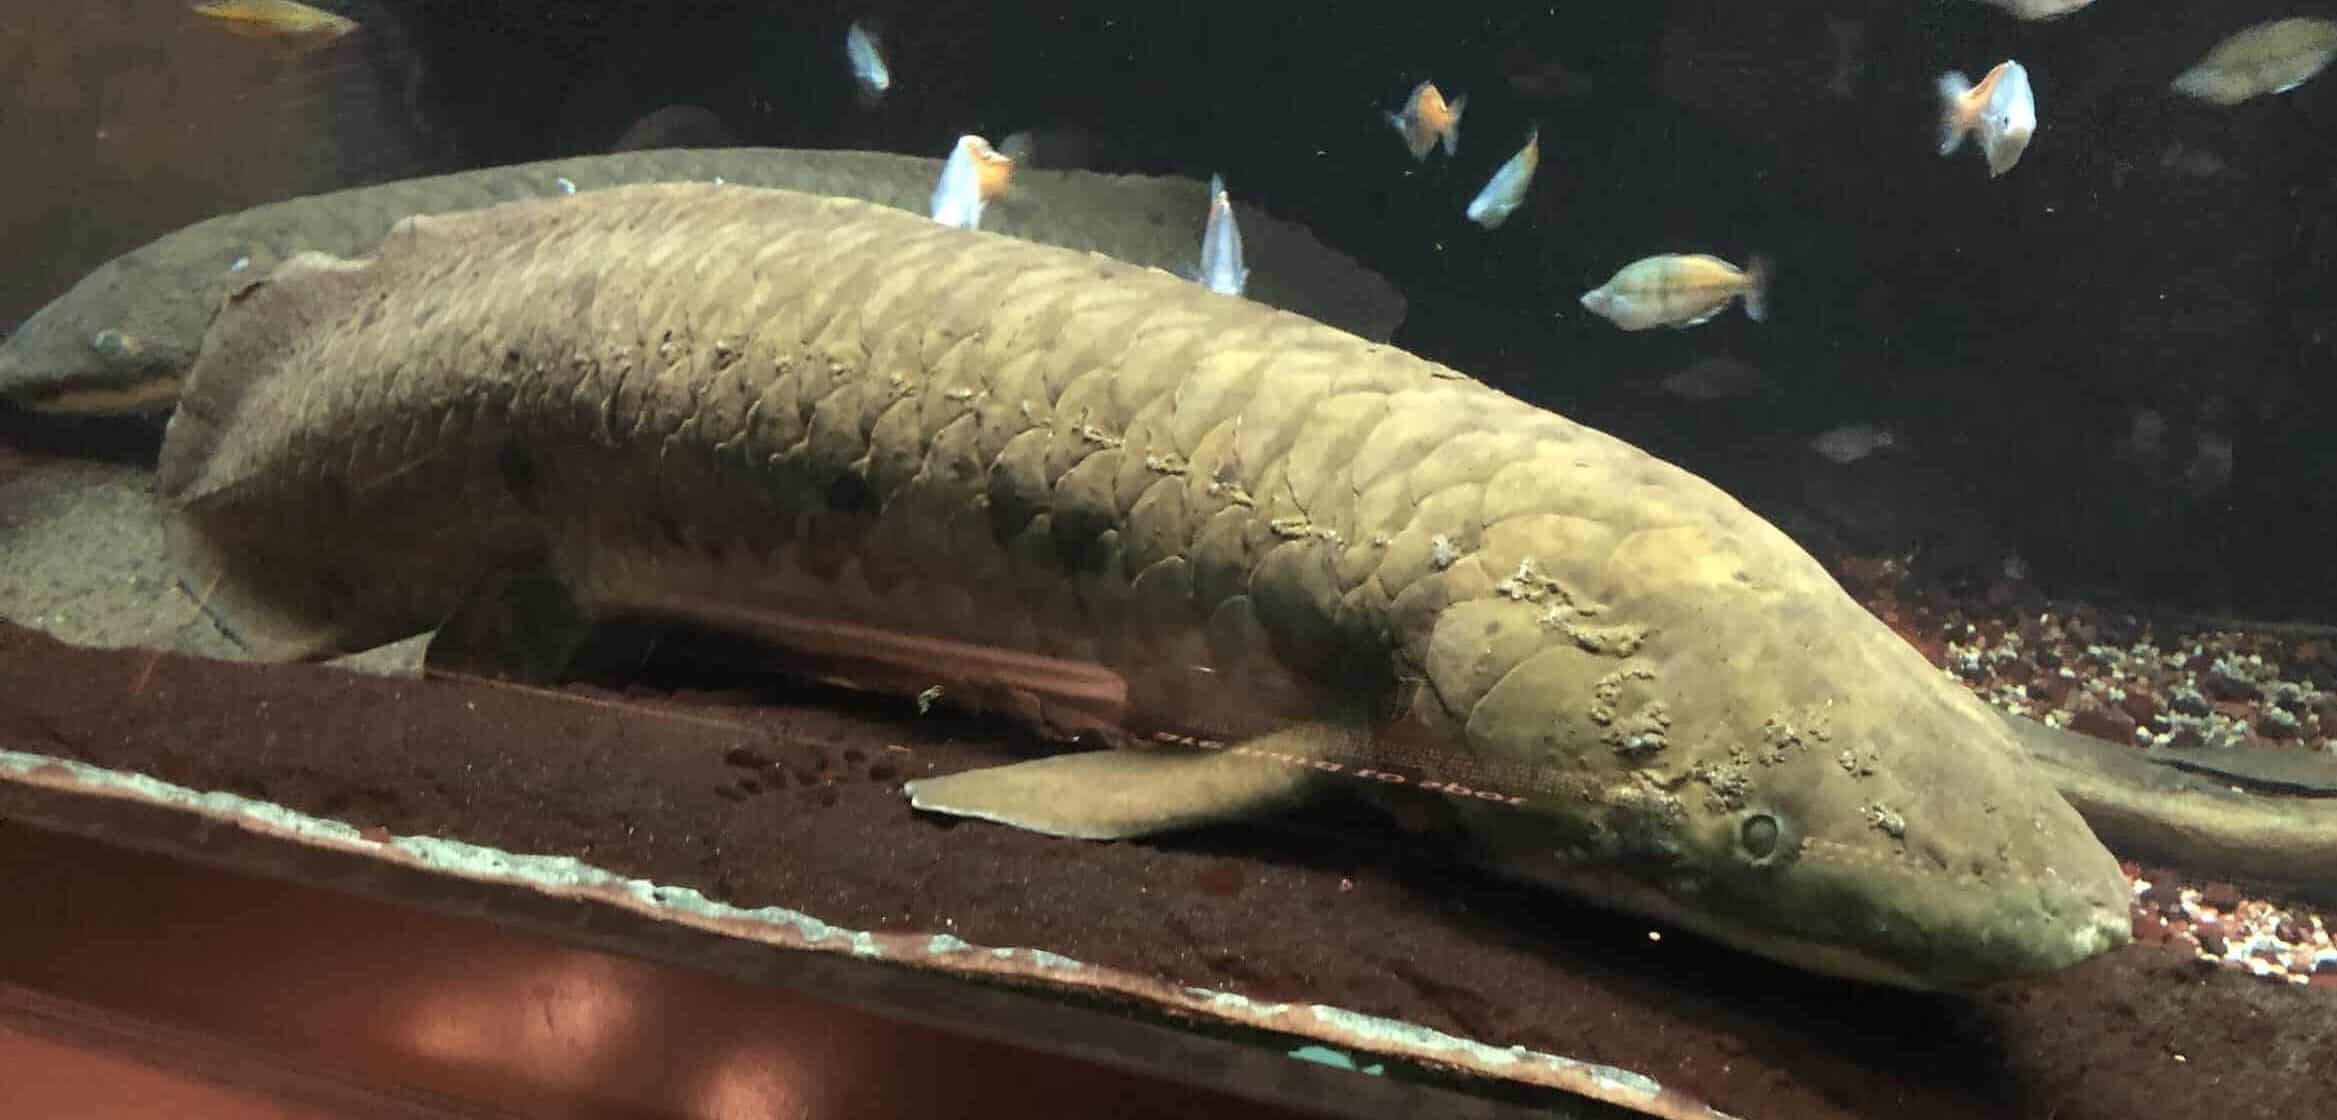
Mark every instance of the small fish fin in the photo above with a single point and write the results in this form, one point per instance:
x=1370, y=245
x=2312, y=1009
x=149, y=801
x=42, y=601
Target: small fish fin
x=1119, y=794
x=518, y=623
x=1757, y=272
x=232, y=365
x=1953, y=85
x=224, y=560
x=1452, y=131
x=1699, y=320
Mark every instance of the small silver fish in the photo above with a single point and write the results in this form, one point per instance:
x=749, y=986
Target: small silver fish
x=866, y=54
x=1222, y=269
x=1679, y=290
x=2272, y=57
x=2038, y=9
x=1507, y=188
x=974, y=175
x=2001, y=109
x=1849, y=37
x=1852, y=442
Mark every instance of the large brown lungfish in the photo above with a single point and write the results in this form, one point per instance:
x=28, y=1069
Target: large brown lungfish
x=1370, y=571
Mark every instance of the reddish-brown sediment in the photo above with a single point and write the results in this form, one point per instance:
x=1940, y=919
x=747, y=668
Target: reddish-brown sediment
x=2180, y=682
x=762, y=798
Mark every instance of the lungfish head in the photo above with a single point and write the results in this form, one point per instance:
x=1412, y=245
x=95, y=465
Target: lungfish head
x=1762, y=761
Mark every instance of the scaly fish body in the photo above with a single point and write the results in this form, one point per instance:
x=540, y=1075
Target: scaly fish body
x=1507, y=189
x=1678, y=290
x=751, y=407
x=2268, y=58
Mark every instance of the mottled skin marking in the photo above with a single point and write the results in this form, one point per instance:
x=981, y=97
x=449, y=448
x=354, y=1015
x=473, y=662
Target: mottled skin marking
x=741, y=405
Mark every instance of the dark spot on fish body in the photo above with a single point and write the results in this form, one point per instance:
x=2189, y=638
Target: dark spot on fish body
x=850, y=494
x=519, y=473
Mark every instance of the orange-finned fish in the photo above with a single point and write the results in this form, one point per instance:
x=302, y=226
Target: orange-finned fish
x=2001, y=109
x=1426, y=118
x=276, y=19
x=1679, y=290
x=975, y=176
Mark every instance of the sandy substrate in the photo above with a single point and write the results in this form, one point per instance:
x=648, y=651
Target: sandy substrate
x=758, y=795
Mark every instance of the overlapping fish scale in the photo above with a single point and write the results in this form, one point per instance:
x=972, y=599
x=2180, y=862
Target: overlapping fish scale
x=947, y=432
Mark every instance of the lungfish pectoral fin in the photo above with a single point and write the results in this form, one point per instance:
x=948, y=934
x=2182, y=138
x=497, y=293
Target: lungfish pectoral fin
x=1115, y=795
x=518, y=623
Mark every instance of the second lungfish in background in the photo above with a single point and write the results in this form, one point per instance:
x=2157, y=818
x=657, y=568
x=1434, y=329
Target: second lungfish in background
x=2270, y=57
x=1507, y=189
x=974, y=176
x=2000, y=109
x=1426, y=118
x=1679, y=290
x=1221, y=268
x=865, y=53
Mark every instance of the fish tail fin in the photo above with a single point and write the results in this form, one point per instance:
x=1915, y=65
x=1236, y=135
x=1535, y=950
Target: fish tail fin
x=1452, y=131
x=1757, y=272
x=1953, y=85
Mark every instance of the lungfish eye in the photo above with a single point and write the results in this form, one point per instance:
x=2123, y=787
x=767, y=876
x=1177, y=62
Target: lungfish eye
x=1759, y=835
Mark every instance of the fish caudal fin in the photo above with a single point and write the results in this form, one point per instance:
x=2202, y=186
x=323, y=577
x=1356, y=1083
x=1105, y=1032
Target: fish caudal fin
x=1757, y=271
x=1452, y=129
x=1953, y=85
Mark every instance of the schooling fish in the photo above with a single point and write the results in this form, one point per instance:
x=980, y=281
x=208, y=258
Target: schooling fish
x=1222, y=269
x=866, y=54
x=1679, y=290
x=276, y=19
x=2001, y=109
x=1507, y=188
x=1427, y=118
x=975, y=176
x=2272, y=57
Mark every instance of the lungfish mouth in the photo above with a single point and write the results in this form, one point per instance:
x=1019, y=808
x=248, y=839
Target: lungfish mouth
x=1937, y=936
x=1926, y=936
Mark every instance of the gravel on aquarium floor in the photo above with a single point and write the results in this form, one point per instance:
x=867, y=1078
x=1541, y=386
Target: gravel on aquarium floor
x=2123, y=678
